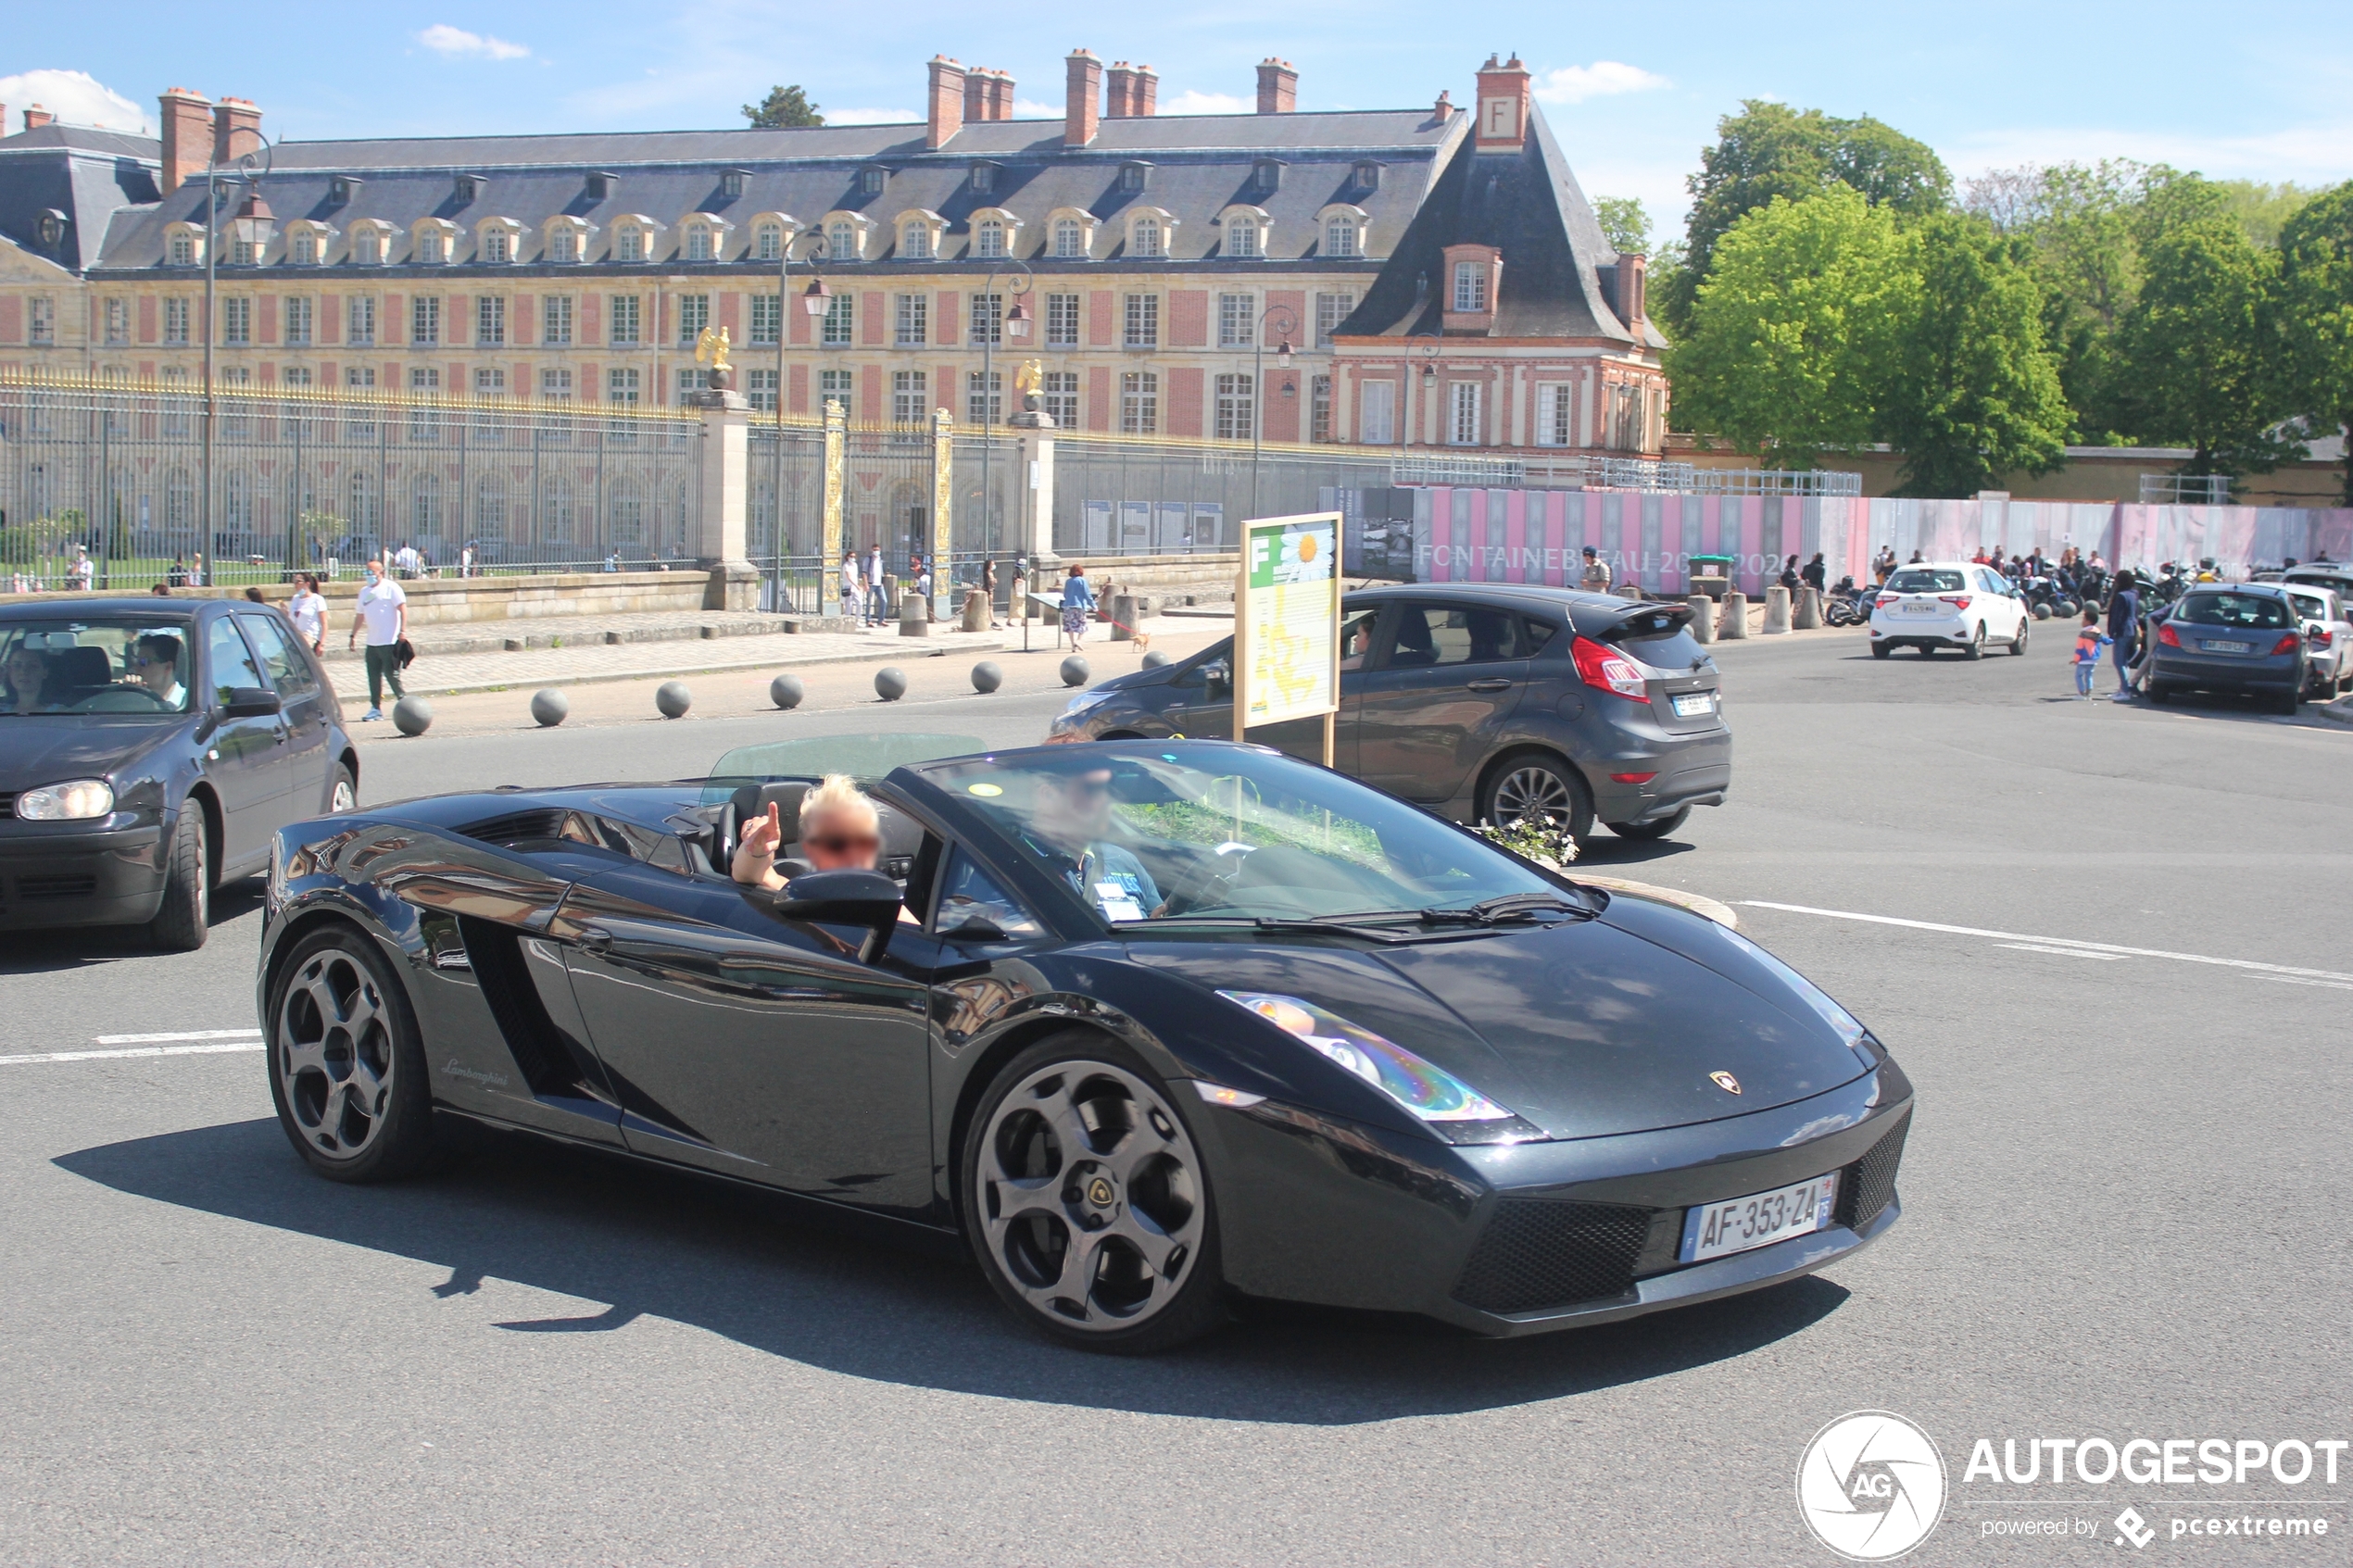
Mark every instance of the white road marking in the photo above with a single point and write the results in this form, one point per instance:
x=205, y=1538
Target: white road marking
x=2299, y=980
x=2317, y=976
x=213, y=1049
x=178, y=1035
x=2063, y=952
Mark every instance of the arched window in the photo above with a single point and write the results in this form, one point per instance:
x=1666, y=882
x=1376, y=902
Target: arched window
x=1339, y=237
x=629, y=243
x=699, y=242
x=368, y=248
x=1070, y=238
x=1145, y=238
x=768, y=241
x=490, y=507
x=1241, y=237
x=302, y=248
x=425, y=504
x=841, y=242
x=988, y=239
x=914, y=241
x=497, y=246
x=555, y=510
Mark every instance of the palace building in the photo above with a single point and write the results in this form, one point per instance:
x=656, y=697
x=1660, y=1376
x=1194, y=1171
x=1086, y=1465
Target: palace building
x=1436, y=273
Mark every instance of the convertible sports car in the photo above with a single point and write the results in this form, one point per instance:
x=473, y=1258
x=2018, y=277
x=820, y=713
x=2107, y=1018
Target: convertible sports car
x=1153, y=1026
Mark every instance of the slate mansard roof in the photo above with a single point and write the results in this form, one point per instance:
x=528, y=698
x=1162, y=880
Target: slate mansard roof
x=1559, y=270
x=87, y=174
x=1196, y=166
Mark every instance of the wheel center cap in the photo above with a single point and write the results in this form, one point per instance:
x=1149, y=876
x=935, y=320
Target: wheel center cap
x=1100, y=1192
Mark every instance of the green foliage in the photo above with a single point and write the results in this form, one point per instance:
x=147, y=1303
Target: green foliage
x=1534, y=838
x=2199, y=349
x=2316, y=292
x=1793, y=332
x=1623, y=219
x=1769, y=150
x=785, y=109
x=2263, y=210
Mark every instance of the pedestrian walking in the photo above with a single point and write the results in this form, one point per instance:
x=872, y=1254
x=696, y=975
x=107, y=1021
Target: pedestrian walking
x=921, y=573
x=200, y=580
x=308, y=610
x=84, y=570
x=2124, y=630
x=2089, y=640
x=988, y=589
x=853, y=582
x=383, y=615
x=1594, y=578
x=1017, y=590
x=1816, y=571
x=874, y=585
x=1078, y=604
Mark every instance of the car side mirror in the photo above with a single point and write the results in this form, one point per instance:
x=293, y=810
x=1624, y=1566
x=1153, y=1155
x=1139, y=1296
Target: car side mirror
x=1218, y=675
x=867, y=898
x=249, y=702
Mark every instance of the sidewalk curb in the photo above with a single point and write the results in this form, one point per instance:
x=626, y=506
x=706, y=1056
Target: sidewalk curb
x=1697, y=903
x=2337, y=712
x=918, y=650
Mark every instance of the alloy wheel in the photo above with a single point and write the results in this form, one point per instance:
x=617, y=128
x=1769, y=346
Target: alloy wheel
x=342, y=800
x=1531, y=793
x=1091, y=1199
x=334, y=1054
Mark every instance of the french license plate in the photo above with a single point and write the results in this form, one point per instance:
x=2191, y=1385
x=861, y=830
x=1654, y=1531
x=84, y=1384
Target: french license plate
x=2225, y=647
x=1736, y=1224
x=1924, y=609
x=1694, y=705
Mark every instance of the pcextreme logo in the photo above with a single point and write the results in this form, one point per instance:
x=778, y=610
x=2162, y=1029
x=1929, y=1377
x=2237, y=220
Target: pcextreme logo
x=1871, y=1486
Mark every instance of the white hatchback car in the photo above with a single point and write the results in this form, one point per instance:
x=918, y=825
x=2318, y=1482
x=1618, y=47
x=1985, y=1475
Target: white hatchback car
x=1931, y=605
x=2328, y=637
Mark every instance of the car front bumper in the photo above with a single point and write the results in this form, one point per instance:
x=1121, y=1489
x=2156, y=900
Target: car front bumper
x=77, y=873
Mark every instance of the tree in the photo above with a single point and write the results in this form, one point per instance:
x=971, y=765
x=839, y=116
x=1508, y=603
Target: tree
x=1974, y=393
x=1625, y=222
x=785, y=109
x=1770, y=150
x=2082, y=223
x=2197, y=351
x=2316, y=294
x=1793, y=331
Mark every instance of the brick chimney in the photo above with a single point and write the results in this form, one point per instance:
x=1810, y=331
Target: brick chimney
x=1147, y=92
x=1119, y=91
x=1277, y=86
x=1633, y=280
x=1502, y=105
x=34, y=118
x=187, y=135
x=1082, y=85
x=976, y=94
x=236, y=130
x=1000, y=94
x=944, y=114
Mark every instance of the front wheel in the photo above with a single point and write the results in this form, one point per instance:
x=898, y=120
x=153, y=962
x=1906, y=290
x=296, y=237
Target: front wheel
x=1975, y=648
x=1537, y=786
x=1086, y=1201
x=1658, y=827
x=185, y=918
x=2018, y=644
x=343, y=793
x=347, y=1062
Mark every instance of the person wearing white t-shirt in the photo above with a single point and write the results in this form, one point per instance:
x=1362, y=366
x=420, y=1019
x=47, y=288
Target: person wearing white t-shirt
x=383, y=615
x=308, y=610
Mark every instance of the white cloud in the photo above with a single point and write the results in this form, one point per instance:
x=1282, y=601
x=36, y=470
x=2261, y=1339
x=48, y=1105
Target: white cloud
x=1574, y=84
x=74, y=96
x=1025, y=109
x=2310, y=153
x=1194, y=101
x=871, y=117
x=457, y=43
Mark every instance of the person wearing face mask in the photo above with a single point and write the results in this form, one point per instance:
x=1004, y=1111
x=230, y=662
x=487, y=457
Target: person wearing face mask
x=383, y=615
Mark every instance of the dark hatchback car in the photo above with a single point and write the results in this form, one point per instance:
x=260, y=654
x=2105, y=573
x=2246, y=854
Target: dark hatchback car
x=1487, y=702
x=149, y=751
x=2244, y=637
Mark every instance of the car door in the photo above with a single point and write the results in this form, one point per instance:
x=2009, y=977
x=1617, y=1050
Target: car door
x=1449, y=675
x=756, y=1048
x=1202, y=705
x=305, y=759
x=244, y=758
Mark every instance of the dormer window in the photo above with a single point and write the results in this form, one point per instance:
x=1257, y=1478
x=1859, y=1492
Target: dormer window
x=181, y=249
x=699, y=242
x=1470, y=287
x=914, y=240
x=602, y=186
x=498, y=246
x=1266, y=175
x=1368, y=176
x=366, y=245
x=468, y=188
x=731, y=184
x=841, y=241
x=563, y=245
x=341, y=188
x=1146, y=239
x=1340, y=238
x=433, y=243
x=302, y=248
x=768, y=241
x=1070, y=239
x=629, y=243
x=871, y=180
x=1241, y=237
x=984, y=178
x=1133, y=178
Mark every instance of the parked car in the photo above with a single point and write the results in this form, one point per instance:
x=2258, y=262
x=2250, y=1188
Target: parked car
x=2243, y=637
x=1484, y=702
x=149, y=750
x=2335, y=576
x=1959, y=605
x=2328, y=638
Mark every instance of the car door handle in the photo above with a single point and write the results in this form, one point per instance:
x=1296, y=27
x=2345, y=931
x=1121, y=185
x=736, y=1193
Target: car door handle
x=1492, y=683
x=594, y=938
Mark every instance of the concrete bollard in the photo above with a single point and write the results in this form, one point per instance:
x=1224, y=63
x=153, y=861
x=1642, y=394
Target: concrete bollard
x=890, y=682
x=976, y=617
x=1628, y=591
x=915, y=616
x=987, y=677
x=1776, y=611
x=1735, y=623
x=1073, y=672
x=549, y=708
x=672, y=699
x=786, y=691
x=1702, y=618
x=412, y=716
x=1123, y=618
x=1806, y=615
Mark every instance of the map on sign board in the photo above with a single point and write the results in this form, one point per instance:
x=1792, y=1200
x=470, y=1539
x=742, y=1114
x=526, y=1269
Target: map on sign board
x=1286, y=619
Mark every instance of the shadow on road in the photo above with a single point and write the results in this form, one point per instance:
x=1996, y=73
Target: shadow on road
x=83, y=946
x=648, y=1242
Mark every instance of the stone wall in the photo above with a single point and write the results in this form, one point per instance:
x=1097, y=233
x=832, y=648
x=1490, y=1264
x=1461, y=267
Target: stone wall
x=441, y=601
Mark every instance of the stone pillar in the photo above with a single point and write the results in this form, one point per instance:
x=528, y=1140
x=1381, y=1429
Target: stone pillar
x=1034, y=490
x=1735, y=624
x=1806, y=615
x=1702, y=618
x=1776, y=611
x=943, y=505
x=829, y=577
x=727, y=476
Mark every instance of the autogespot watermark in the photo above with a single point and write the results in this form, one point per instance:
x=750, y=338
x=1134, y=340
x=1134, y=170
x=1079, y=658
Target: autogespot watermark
x=1871, y=1486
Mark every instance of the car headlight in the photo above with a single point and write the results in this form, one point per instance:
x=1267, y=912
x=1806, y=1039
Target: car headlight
x=1084, y=701
x=76, y=801
x=1453, y=1108
x=1850, y=1029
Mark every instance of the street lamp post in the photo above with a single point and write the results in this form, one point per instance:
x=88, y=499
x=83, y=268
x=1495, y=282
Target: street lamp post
x=816, y=302
x=251, y=227
x=1284, y=322
x=1428, y=351
x=1013, y=324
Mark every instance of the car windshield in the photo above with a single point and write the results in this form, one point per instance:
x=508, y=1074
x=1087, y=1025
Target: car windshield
x=1208, y=831
x=2311, y=605
x=862, y=757
x=2255, y=610
x=1921, y=580
x=127, y=669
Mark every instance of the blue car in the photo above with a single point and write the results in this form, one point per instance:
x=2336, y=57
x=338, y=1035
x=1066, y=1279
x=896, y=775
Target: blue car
x=2243, y=637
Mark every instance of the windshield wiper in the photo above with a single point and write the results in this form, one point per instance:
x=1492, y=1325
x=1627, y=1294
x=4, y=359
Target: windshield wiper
x=1508, y=907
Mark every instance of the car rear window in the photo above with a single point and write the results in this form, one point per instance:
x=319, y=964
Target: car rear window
x=2260, y=610
x=1920, y=580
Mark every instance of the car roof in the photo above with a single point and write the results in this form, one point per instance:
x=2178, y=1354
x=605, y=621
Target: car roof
x=1941, y=565
x=1517, y=596
x=139, y=607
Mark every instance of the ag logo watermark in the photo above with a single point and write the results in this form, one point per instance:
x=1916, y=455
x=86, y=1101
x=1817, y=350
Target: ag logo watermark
x=1871, y=1486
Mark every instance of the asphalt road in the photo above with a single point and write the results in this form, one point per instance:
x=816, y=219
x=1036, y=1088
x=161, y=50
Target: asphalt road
x=2123, y=1198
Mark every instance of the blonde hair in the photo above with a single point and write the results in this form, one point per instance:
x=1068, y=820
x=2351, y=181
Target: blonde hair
x=836, y=792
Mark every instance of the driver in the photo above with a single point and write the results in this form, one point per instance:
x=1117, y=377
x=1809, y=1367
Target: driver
x=1069, y=815
x=840, y=830
x=155, y=664
x=28, y=676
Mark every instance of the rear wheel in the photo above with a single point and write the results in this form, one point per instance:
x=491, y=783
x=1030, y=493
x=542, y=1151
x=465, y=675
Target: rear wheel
x=179, y=927
x=1536, y=785
x=2287, y=702
x=2018, y=644
x=347, y=1062
x=2159, y=694
x=1087, y=1203
x=1880, y=650
x=1658, y=827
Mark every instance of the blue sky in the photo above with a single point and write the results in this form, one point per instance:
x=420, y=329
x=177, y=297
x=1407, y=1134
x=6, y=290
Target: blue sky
x=2264, y=96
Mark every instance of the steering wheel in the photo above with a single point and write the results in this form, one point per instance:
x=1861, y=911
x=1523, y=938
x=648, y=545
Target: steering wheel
x=1211, y=880
x=109, y=699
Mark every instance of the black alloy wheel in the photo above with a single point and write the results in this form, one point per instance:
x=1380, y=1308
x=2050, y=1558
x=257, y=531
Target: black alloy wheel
x=1086, y=1201
x=1528, y=786
x=347, y=1062
x=185, y=917
x=1657, y=827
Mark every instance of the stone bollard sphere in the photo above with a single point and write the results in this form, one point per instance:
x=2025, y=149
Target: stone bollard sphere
x=412, y=716
x=786, y=691
x=987, y=677
x=890, y=682
x=549, y=708
x=1073, y=672
x=1702, y=618
x=1735, y=624
x=1155, y=660
x=672, y=698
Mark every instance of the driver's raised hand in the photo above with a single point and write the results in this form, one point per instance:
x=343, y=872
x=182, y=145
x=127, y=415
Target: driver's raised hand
x=755, y=859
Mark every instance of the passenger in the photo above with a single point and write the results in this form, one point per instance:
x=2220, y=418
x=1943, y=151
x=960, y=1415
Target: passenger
x=28, y=679
x=840, y=830
x=155, y=664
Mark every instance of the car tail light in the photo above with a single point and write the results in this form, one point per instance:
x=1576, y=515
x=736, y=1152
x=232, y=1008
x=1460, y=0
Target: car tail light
x=1596, y=666
x=1631, y=778
x=2321, y=639
x=2167, y=636
x=1886, y=599
x=1958, y=601
x=2288, y=644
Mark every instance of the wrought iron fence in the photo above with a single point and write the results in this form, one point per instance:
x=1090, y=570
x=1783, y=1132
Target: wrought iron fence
x=120, y=484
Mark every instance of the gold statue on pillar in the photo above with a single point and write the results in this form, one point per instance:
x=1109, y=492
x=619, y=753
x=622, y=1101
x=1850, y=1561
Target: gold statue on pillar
x=1029, y=378
x=711, y=349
